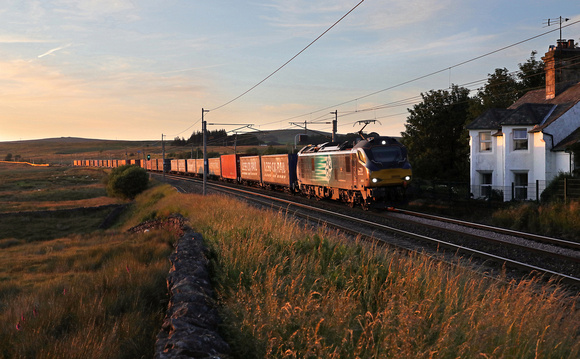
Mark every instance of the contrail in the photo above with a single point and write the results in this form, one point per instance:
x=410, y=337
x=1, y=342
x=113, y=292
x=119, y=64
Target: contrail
x=54, y=50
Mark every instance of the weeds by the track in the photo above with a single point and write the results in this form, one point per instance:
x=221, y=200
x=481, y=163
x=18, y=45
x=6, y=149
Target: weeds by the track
x=291, y=292
x=284, y=291
x=553, y=219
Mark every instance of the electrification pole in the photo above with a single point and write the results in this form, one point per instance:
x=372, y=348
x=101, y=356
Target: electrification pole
x=162, y=156
x=205, y=164
x=334, y=125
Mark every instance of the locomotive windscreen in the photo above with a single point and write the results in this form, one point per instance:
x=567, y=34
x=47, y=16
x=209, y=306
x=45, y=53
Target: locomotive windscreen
x=387, y=154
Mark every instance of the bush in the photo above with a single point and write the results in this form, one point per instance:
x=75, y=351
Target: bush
x=127, y=181
x=552, y=192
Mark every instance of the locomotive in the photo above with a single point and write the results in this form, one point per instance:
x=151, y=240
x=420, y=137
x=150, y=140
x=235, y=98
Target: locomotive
x=372, y=172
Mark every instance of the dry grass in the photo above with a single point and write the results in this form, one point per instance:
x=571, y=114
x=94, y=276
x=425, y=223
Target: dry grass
x=70, y=295
x=98, y=296
x=24, y=188
x=290, y=292
x=285, y=291
x=553, y=219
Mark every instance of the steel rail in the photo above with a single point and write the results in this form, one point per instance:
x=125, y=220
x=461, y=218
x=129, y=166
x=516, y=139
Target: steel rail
x=458, y=248
x=531, y=236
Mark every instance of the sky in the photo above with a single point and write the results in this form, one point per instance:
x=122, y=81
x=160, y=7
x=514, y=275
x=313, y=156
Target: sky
x=143, y=69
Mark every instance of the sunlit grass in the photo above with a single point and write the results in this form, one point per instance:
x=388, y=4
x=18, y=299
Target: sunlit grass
x=98, y=296
x=554, y=219
x=24, y=188
x=291, y=292
x=284, y=291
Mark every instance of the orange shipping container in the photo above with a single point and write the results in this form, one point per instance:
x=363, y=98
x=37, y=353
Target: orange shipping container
x=250, y=169
x=231, y=167
x=215, y=168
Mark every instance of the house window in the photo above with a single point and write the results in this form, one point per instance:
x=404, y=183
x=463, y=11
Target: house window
x=485, y=187
x=484, y=141
x=521, y=186
x=520, y=139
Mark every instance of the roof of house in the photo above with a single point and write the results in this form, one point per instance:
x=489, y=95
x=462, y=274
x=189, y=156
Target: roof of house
x=573, y=138
x=532, y=109
x=489, y=120
x=528, y=114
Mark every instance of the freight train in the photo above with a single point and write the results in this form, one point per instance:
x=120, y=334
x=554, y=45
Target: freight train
x=371, y=172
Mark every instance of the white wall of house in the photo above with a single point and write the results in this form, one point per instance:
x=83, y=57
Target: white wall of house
x=505, y=163
x=564, y=125
x=499, y=171
x=485, y=162
x=555, y=161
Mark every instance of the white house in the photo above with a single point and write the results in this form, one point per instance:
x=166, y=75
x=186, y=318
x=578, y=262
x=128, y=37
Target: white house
x=516, y=152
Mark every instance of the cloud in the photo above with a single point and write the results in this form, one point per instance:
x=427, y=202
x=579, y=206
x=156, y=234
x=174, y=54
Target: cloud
x=54, y=50
x=18, y=39
x=191, y=69
x=370, y=15
x=97, y=9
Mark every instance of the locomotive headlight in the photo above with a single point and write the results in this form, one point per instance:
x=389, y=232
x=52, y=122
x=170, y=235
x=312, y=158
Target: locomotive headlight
x=407, y=178
x=375, y=180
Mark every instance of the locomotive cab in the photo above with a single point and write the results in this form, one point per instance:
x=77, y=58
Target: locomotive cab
x=385, y=161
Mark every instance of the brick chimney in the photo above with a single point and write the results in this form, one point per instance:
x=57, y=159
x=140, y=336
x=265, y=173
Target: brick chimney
x=562, y=66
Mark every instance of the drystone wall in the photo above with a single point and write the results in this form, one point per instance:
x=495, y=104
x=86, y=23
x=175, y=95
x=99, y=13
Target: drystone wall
x=190, y=326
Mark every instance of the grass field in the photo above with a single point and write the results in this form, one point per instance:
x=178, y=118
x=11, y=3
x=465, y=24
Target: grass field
x=285, y=291
x=67, y=289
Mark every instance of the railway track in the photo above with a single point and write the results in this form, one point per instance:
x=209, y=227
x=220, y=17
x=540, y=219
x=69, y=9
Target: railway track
x=529, y=236
x=527, y=253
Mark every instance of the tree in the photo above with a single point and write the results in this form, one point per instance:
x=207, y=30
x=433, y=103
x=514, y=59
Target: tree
x=435, y=135
x=178, y=141
x=532, y=74
x=8, y=157
x=501, y=90
x=127, y=181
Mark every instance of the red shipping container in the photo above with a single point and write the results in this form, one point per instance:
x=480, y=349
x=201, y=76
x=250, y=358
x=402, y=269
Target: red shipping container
x=174, y=166
x=231, y=167
x=191, y=166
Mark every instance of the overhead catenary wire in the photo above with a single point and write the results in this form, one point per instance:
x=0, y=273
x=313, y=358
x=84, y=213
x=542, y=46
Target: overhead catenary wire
x=431, y=73
x=287, y=62
x=382, y=90
x=279, y=68
x=410, y=101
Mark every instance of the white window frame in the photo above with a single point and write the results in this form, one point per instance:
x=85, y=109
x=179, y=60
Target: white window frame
x=485, y=143
x=520, y=141
x=485, y=189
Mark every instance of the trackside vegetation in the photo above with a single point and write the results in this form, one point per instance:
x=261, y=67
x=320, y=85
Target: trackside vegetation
x=557, y=219
x=285, y=291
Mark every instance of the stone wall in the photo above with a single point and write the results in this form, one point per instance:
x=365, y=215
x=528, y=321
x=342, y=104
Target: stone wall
x=190, y=326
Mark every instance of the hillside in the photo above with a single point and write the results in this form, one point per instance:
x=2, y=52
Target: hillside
x=63, y=150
